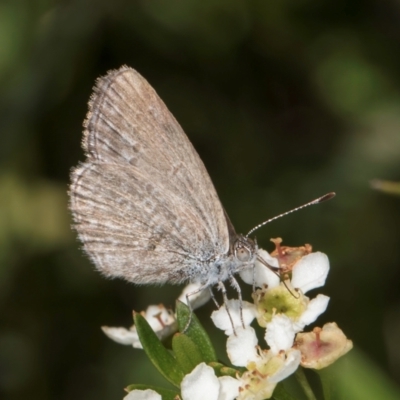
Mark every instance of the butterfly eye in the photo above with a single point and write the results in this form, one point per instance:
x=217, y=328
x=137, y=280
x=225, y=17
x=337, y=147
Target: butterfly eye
x=242, y=253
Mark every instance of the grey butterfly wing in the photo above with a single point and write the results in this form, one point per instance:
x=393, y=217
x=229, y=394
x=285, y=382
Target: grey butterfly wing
x=131, y=228
x=143, y=203
x=128, y=123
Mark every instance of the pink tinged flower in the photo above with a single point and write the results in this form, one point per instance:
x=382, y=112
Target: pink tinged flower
x=143, y=395
x=202, y=383
x=322, y=347
x=221, y=318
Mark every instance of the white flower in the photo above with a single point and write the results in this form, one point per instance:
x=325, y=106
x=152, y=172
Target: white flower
x=307, y=272
x=196, y=299
x=143, y=395
x=314, y=309
x=261, y=275
x=310, y=272
x=281, y=308
x=279, y=333
x=242, y=347
x=221, y=318
x=202, y=383
x=161, y=320
x=123, y=336
x=199, y=384
x=229, y=388
x=284, y=299
x=265, y=367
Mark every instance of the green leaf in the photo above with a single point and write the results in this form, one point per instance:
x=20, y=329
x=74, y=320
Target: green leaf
x=217, y=367
x=162, y=359
x=355, y=376
x=303, y=381
x=280, y=393
x=388, y=187
x=328, y=387
x=195, y=332
x=166, y=394
x=186, y=352
x=228, y=371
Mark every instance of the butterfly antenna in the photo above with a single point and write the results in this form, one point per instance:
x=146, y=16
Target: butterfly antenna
x=325, y=197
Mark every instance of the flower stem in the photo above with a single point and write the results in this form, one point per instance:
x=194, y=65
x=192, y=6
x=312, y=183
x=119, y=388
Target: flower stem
x=301, y=378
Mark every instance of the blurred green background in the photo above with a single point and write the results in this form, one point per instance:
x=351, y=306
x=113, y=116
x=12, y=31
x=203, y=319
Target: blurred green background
x=284, y=101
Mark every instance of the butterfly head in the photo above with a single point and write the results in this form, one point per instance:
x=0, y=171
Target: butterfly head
x=244, y=249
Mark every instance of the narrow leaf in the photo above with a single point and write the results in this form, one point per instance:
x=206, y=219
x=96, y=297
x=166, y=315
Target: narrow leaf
x=217, y=367
x=328, y=386
x=281, y=394
x=186, y=352
x=195, y=332
x=162, y=359
x=302, y=379
x=229, y=371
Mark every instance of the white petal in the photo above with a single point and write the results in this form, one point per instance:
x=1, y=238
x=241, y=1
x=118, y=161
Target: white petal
x=314, y=309
x=158, y=317
x=197, y=299
x=229, y=388
x=241, y=348
x=280, y=333
x=143, y=395
x=122, y=336
x=292, y=362
x=199, y=383
x=262, y=275
x=221, y=318
x=310, y=272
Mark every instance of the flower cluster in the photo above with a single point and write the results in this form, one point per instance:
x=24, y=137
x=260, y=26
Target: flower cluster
x=281, y=308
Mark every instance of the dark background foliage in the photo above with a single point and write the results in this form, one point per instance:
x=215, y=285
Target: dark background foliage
x=284, y=101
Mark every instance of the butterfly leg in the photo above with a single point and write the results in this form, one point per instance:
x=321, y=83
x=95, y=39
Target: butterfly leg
x=222, y=288
x=236, y=286
x=254, y=278
x=213, y=297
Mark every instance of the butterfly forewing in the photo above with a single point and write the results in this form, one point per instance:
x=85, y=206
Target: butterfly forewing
x=143, y=203
x=129, y=123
